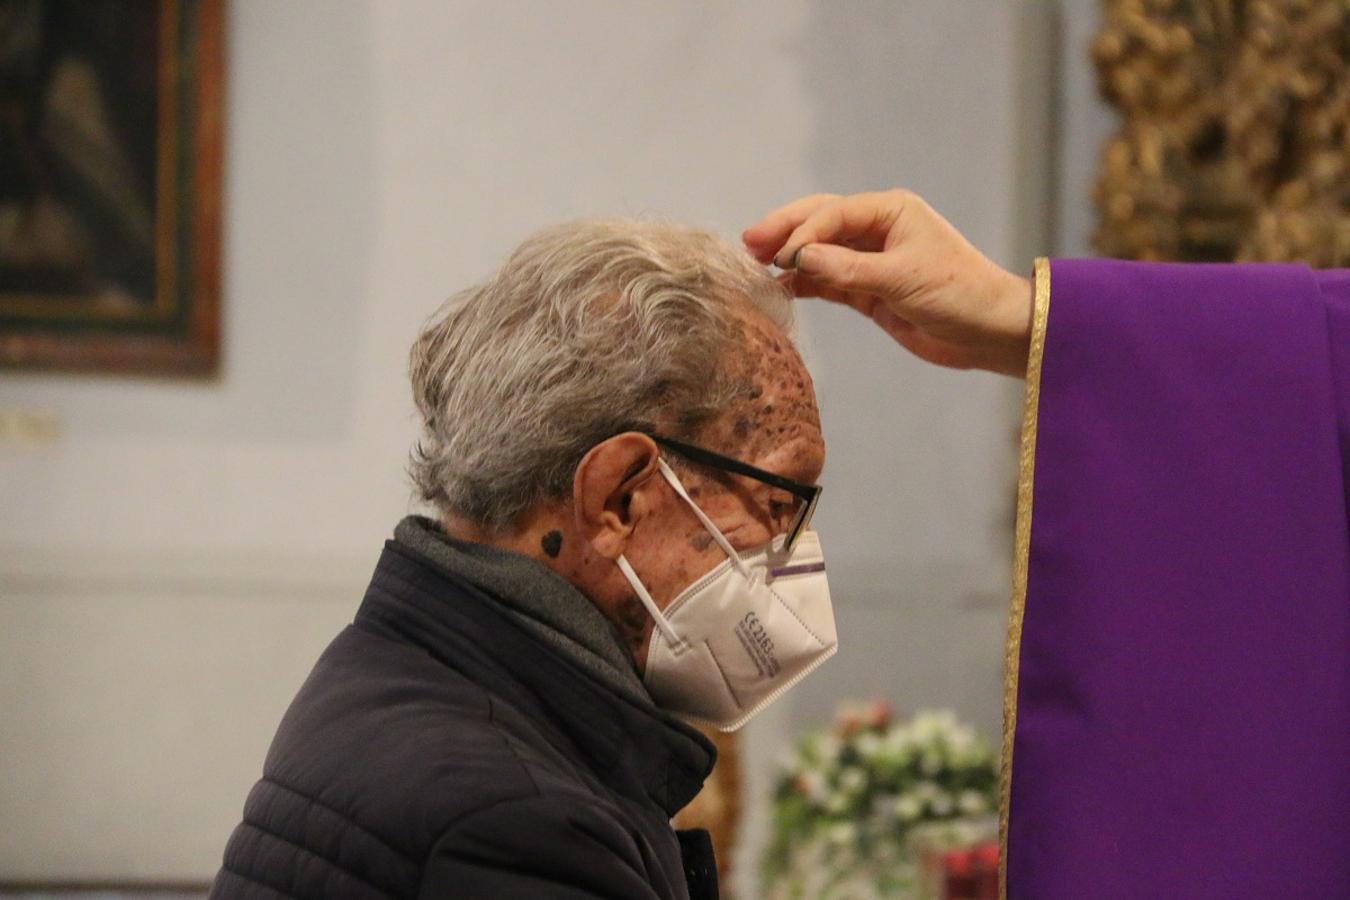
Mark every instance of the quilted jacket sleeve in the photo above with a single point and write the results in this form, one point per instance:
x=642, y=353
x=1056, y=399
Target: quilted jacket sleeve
x=537, y=848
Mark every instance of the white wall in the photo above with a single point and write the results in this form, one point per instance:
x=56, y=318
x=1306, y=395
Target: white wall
x=172, y=564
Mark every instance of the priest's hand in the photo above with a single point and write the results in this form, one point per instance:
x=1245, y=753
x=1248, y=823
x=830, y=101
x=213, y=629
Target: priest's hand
x=891, y=257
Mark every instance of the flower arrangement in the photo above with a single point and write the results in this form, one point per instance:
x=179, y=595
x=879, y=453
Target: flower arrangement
x=859, y=806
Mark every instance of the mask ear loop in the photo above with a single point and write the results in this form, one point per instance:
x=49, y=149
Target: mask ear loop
x=662, y=624
x=676, y=642
x=717, y=535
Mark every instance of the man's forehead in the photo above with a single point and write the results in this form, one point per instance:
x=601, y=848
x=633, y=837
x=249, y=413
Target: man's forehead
x=779, y=407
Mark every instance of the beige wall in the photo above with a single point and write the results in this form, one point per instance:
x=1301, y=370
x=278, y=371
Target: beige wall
x=172, y=563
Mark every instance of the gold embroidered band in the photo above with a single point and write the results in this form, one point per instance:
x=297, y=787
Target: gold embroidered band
x=1021, y=554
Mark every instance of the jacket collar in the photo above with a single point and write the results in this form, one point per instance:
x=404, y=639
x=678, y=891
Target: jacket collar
x=535, y=597
x=636, y=749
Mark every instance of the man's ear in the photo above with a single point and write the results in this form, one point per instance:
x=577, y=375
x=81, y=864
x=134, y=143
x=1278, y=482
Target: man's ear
x=612, y=490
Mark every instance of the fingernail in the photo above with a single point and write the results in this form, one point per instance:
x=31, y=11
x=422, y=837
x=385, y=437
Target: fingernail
x=785, y=260
x=797, y=257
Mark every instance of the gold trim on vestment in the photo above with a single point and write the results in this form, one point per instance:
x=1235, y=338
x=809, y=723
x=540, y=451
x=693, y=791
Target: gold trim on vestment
x=1026, y=470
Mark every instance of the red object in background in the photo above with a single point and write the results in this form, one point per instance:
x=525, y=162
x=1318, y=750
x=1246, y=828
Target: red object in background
x=971, y=873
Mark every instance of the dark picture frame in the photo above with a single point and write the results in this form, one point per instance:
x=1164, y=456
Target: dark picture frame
x=110, y=185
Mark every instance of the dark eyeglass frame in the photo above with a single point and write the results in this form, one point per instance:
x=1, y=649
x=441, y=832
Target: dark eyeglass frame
x=809, y=494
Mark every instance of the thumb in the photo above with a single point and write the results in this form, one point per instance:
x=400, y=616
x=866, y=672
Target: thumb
x=846, y=270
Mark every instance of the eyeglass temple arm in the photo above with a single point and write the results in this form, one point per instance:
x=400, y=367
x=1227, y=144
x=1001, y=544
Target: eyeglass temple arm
x=698, y=454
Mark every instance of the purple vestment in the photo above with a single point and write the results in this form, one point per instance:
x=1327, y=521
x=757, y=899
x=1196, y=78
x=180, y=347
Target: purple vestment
x=1178, y=708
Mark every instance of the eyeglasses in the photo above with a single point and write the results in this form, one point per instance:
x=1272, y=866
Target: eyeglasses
x=809, y=494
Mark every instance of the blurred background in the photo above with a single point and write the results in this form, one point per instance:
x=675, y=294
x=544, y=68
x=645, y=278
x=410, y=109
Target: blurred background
x=176, y=549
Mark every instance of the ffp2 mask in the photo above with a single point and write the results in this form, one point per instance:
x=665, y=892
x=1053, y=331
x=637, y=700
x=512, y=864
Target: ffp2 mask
x=740, y=636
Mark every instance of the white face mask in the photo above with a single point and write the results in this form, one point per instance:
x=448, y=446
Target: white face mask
x=736, y=639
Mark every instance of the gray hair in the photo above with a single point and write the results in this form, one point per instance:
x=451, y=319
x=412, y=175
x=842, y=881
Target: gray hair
x=589, y=329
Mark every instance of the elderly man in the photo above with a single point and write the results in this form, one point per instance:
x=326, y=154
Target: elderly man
x=620, y=443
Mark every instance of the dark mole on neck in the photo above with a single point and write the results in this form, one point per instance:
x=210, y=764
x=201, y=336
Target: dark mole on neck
x=552, y=543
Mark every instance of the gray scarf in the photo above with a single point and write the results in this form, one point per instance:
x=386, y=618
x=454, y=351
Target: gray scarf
x=540, y=600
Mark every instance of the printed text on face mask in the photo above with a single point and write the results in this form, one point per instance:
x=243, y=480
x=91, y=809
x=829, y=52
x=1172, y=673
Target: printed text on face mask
x=757, y=644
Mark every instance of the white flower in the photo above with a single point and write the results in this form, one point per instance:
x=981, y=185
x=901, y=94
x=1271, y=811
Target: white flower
x=909, y=807
x=852, y=779
x=899, y=737
x=962, y=740
x=942, y=804
x=812, y=785
x=971, y=803
x=869, y=744
x=930, y=762
x=843, y=833
x=836, y=803
x=929, y=725
x=927, y=790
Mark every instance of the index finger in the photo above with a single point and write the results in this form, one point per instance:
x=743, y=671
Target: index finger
x=765, y=237
x=859, y=220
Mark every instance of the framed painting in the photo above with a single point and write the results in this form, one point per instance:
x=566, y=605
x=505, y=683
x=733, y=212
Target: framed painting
x=110, y=166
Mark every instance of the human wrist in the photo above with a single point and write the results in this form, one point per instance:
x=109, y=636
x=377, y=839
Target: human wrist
x=1009, y=337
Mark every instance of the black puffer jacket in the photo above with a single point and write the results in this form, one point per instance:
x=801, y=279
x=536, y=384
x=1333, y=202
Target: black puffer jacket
x=438, y=750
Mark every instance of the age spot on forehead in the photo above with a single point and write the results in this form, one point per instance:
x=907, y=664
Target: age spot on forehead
x=776, y=405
